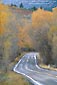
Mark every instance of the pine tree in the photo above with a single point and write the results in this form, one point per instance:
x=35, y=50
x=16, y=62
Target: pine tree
x=21, y=5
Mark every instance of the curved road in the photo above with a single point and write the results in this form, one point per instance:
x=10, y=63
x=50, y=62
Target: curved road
x=28, y=67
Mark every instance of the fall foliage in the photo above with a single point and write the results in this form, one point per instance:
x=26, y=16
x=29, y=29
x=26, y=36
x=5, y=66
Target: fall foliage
x=41, y=18
x=21, y=29
x=45, y=32
x=7, y=36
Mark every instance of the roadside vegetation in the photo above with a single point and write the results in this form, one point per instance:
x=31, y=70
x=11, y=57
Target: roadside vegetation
x=48, y=67
x=25, y=31
x=12, y=78
x=45, y=35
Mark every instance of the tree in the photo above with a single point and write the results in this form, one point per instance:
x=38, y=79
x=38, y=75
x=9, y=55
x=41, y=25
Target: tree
x=52, y=39
x=14, y=5
x=34, y=8
x=40, y=27
x=21, y=5
x=41, y=7
x=8, y=37
x=54, y=49
x=3, y=20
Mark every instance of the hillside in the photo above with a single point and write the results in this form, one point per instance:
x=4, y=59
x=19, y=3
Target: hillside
x=11, y=21
x=25, y=31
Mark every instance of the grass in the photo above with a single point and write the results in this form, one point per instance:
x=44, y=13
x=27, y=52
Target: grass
x=12, y=78
x=48, y=67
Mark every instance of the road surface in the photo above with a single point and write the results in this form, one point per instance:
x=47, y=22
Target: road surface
x=27, y=66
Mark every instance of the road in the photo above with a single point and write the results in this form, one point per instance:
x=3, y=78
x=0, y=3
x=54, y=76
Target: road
x=27, y=66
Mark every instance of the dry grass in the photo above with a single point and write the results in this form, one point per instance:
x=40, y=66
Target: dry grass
x=47, y=67
x=12, y=78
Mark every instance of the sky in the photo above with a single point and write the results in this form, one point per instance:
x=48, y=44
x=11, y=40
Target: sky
x=31, y=3
x=24, y=1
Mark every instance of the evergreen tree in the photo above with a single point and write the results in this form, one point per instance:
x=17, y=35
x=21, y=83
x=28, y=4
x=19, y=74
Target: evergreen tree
x=41, y=7
x=21, y=5
x=34, y=8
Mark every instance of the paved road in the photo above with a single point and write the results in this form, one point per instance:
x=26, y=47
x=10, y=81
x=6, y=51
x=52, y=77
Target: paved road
x=28, y=67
